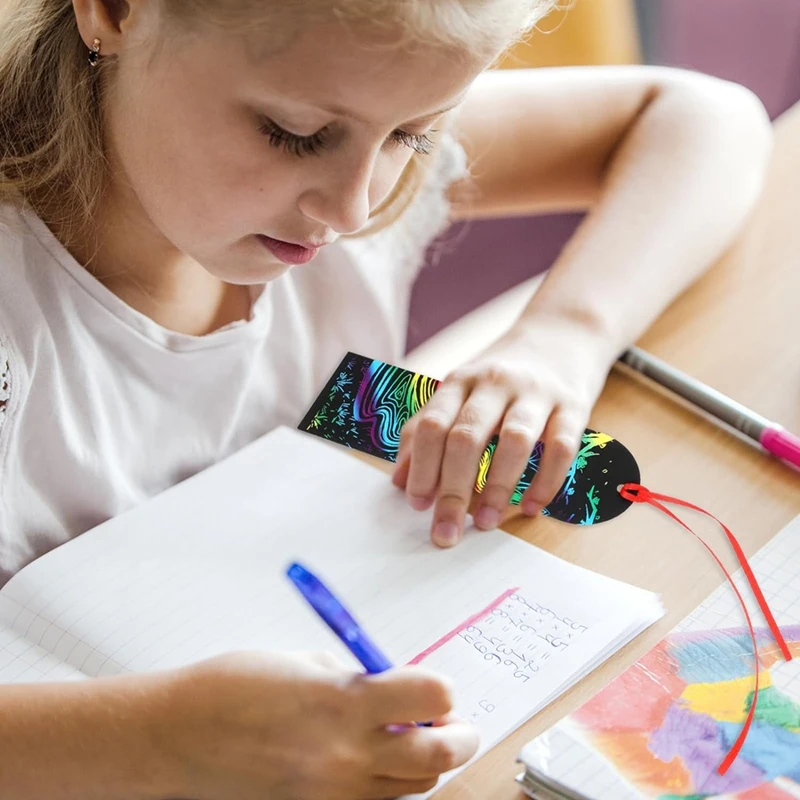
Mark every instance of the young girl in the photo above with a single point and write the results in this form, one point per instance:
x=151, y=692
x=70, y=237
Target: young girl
x=205, y=203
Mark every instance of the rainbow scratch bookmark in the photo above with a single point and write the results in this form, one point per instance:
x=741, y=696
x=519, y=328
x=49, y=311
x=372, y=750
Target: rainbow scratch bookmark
x=366, y=402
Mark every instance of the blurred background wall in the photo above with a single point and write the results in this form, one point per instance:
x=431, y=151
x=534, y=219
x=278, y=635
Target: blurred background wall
x=753, y=42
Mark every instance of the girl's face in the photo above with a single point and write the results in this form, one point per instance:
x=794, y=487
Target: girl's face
x=225, y=155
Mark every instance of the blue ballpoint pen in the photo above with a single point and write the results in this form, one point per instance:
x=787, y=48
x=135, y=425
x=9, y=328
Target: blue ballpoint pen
x=341, y=622
x=338, y=619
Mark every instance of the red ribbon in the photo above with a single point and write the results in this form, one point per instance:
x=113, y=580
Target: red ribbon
x=635, y=493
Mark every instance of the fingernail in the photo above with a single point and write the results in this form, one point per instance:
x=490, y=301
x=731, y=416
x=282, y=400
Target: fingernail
x=487, y=517
x=531, y=508
x=419, y=503
x=445, y=534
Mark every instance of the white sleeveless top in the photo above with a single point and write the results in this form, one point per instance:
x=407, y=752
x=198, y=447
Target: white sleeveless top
x=101, y=408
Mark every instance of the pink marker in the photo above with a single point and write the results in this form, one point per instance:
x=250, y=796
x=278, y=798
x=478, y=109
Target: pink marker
x=771, y=436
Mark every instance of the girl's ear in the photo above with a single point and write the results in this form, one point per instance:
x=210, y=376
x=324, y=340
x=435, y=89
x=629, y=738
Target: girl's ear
x=117, y=11
x=107, y=20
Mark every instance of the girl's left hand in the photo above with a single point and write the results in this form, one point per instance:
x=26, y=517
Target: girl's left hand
x=539, y=381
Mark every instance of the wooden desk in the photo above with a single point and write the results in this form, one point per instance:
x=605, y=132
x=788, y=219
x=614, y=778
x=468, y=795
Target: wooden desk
x=733, y=330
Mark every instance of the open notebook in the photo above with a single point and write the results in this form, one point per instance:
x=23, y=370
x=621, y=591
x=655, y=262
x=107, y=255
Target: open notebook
x=199, y=570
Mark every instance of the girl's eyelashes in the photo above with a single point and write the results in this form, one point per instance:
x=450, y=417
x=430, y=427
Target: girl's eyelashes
x=316, y=142
x=420, y=143
x=291, y=142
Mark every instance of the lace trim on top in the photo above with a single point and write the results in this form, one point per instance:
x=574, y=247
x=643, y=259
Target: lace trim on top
x=5, y=383
x=428, y=216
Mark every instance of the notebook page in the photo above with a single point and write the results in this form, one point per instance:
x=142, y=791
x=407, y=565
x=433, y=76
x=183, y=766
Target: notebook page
x=199, y=571
x=566, y=754
x=24, y=662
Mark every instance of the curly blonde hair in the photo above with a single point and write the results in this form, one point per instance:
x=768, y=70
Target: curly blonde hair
x=52, y=143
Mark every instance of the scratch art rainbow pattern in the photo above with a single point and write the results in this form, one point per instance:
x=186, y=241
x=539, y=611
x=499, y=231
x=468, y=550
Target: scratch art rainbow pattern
x=366, y=402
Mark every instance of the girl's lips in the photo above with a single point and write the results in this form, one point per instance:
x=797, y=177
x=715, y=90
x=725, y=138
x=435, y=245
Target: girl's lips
x=286, y=251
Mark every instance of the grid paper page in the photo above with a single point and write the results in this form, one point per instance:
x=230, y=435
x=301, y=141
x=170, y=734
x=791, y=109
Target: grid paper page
x=199, y=571
x=21, y=661
x=564, y=754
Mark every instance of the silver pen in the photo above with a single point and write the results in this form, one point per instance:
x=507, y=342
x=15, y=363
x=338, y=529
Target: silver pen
x=771, y=436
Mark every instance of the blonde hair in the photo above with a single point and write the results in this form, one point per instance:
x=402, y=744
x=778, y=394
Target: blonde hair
x=52, y=143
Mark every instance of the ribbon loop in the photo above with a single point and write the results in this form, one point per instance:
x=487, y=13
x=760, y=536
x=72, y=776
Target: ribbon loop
x=636, y=493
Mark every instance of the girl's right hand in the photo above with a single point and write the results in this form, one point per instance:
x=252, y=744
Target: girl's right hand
x=246, y=726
